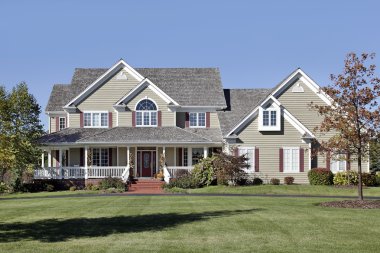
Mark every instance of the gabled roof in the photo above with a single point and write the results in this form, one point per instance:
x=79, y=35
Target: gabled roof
x=132, y=135
x=187, y=86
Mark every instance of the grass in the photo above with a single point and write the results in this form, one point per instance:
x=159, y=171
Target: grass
x=318, y=190
x=46, y=194
x=184, y=224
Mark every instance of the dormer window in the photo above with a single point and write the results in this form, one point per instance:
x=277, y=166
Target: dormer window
x=146, y=113
x=270, y=119
x=197, y=119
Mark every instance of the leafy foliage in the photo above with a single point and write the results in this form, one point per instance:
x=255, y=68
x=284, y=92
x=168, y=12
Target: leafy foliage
x=355, y=111
x=320, y=176
x=275, y=181
x=288, y=180
x=111, y=182
x=369, y=179
x=203, y=172
x=185, y=182
x=229, y=169
x=346, y=178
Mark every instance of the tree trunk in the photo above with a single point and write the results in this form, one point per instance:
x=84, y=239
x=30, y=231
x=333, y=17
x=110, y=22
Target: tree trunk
x=360, y=185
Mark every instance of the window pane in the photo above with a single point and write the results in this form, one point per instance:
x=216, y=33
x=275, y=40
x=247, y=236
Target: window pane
x=193, y=119
x=87, y=119
x=104, y=119
x=104, y=157
x=146, y=105
x=250, y=159
x=153, y=118
x=295, y=160
x=342, y=165
x=62, y=123
x=95, y=157
x=201, y=119
x=273, y=118
x=138, y=118
x=96, y=119
x=146, y=118
x=265, y=118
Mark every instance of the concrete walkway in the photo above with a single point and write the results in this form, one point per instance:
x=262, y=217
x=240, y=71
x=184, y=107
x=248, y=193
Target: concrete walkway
x=126, y=194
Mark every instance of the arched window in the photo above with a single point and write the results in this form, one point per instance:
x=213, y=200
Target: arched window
x=146, y=113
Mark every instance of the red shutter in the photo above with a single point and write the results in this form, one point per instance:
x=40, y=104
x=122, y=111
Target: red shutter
x=81, y=157
x=281, y=160
x=302, y=160
x=110, y=157
x=348, y=162
x=159, y=118
x=187, y=124
x=133, y=119
x=57, y=158
x=257, y=160
x=56, y=124
x=110, y=119
x=208, y=119
x=81, y=120
x=328, y=154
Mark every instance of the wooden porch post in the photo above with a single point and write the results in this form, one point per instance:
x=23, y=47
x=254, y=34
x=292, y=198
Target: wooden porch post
x=85, y=162
x=128, y=154
x=190, y=156
x=205, y=152
x=49, y=158
x=117, y=156
x=43, y=159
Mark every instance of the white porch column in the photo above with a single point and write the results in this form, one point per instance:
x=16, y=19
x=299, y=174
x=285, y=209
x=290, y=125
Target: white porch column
x=205, y=152
x=175, y=156
x=163, y=151
x=117, y=156
x=128, y=154
x=85, y=162
x=49, y=158
x=60, y=174
x=190, y=156
x=43, y=159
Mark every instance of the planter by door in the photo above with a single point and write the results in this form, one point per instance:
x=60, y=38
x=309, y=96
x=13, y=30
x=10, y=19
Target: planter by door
x=146, y=166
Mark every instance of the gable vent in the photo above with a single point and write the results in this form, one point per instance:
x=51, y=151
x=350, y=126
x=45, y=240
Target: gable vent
x=297, y=88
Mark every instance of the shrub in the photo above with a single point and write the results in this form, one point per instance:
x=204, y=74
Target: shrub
x=369, y=179
x=73, y=188
x=275, y=181
x=377, y=178
x=229, y=169
x=95, y=187
x=49, y=187
x=346, y=178
x=110, y=182
x=254, y=181
x=3, y=187
x=88, y=186
x=320, y=176
x=288, y=180
x=204, y=172
x=184, y=182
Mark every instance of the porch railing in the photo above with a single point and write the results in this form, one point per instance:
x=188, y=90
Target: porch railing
x=80, y=172
x=176, y=171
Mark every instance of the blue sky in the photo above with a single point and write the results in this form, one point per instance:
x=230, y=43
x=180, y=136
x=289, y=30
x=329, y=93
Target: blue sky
x=254, y=43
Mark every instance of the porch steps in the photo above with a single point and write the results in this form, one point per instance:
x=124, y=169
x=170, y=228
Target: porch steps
x=146, y=186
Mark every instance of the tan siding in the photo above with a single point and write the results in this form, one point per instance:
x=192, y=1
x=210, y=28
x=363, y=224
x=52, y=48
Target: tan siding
x=122, y=156
x=74, y=120
x=214, y=120
x=269, y=144
x=169, y=155
x=125, y=119
x=74, y=156
x=53, y=125
x=108, y=94
x=167, y=117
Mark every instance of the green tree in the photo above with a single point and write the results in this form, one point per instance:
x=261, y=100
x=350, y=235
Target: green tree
x=20, y=129
x=355, y=113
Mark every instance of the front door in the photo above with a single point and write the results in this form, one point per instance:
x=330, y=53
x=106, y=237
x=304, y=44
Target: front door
x=146, y=168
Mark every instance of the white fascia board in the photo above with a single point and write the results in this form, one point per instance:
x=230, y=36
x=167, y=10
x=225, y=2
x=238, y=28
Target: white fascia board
x=297, y=124
x=174, y=108
x=143, y=84
x=116, y=67
x=54, y=112
x=242, y=123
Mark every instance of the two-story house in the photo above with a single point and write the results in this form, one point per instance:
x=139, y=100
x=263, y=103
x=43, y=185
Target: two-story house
x=121, y=120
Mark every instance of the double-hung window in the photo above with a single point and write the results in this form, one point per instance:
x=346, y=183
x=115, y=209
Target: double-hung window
x=62, y=123
x=146, y=113
x=197, y=119
x=100, y=156
x=291, y=159
x=338, y=164
x=95, y=119
x=270, y=118
x=249, y=153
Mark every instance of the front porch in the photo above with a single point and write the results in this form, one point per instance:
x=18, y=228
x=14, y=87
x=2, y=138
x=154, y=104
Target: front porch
x=96, y=162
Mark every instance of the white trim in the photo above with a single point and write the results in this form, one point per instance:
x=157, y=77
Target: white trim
x=100, y=119
x=68, y=120
x=309, y=155
x=148, y=98
x=121, y=64
x=59, y=123
x=49, y=120
x=197, y=120
x=175, y=108
x=276, y=104
x=117, y=117
x=283, y=161
x=297, y=124
x=252, y=163
x=145, y=83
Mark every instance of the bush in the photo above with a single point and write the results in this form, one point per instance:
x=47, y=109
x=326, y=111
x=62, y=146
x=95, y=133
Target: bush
x=184, y=182
x=95, y=187
x=49, y=187
x=369, y=179
x=320, y=176
x=288, y=180
x=229, y=169
x=203, y=172
x=88, y=186
x=110, y=182
x=346, y=178
x=254, y=181
x=73, y=188
x=3, y=187
x=377, y=178
x=275, y=181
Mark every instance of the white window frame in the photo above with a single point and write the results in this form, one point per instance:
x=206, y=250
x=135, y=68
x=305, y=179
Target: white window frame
x=335, y=164
x=285, y=167
x=92, y=119
x=276, y=127
x=100, y=157
x=197, y=119
x=59, y=123
x=150, y=112
x=251, y=162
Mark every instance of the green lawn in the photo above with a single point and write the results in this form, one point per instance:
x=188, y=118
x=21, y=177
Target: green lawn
x=285, y=189
x=184, y=224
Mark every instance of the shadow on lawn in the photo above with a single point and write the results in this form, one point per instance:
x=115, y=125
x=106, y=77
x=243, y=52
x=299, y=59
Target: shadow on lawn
x=55, y=230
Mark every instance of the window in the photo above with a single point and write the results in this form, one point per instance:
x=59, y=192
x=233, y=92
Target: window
x=62, y=123
x=291, y=160
x=146, y=113
x=100, y=156
x=338, y=164
x=95, y=119
x=250, y=155
x=185, y=162
x=197, y=155
x=197, y=119
x=269, y=119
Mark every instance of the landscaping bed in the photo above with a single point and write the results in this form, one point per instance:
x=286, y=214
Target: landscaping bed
x=362, y=204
